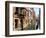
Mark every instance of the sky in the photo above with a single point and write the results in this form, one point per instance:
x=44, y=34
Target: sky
x=36, y=11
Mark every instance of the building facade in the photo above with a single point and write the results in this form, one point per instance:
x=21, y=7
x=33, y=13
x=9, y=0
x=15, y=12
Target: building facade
x=23, y=18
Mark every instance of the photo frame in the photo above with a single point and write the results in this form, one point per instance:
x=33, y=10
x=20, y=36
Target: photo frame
x=24, y=18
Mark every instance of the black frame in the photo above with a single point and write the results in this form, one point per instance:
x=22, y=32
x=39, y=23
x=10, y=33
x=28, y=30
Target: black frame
x=7, y=18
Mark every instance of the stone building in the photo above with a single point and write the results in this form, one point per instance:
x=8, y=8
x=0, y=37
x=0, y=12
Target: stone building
x=23, y=18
